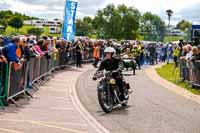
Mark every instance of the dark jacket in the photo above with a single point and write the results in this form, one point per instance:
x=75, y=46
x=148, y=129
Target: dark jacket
x=28, y=54
x=109, y=65
x=195, y=57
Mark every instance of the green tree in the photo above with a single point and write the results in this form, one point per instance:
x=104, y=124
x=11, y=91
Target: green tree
x=35, y=31
x=184, y=25
x=117, y=23
x=3, y=22
x=16, y=22
x=84, y=27
x=152, y=27
x=129, y=21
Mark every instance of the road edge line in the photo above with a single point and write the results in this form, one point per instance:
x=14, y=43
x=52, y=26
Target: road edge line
x=83, y=111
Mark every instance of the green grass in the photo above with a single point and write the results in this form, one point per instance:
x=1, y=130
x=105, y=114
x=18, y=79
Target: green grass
x=172, y=38
x=24, y=29
x=93, y=36
x=166, y=72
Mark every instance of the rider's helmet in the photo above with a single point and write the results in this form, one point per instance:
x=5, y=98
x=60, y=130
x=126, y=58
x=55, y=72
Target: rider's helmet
x=109, y=50
x=135, y=46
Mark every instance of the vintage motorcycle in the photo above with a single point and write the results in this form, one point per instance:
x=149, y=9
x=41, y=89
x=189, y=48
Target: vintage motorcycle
x=128, y=63
x=108, y=91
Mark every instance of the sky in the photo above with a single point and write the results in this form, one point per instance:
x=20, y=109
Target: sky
x=49, y=9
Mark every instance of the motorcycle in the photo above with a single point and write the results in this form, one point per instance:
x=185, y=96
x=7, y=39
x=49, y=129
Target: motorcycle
x=129, y=63
x=109, y=93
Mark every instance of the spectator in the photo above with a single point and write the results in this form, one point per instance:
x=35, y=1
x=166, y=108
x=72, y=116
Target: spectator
x=38, y=46
x=183, y=65
x=195, y=54
x=198, y=52
x=28, y=54
x=78, y=54
x=96, y=55
x=141, y=48
x=2, y=57
x=176, y=54
x=191, y=62
x=54, y=50
x=11, y=48
x=169, y=53
x=152, y=51
x=189, y=52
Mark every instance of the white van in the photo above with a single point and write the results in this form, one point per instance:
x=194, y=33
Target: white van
x=54, y=30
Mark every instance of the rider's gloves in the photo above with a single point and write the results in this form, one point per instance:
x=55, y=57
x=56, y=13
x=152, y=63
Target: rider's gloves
x=94, y=78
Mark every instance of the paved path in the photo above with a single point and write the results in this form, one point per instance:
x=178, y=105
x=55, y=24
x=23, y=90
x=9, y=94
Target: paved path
x=52, y=110
x=152, y=108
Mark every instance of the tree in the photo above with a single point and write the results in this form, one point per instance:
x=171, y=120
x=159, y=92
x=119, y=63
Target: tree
x=16, y=22
x=152, y=27
x=169, y=13
x=129, y=21
x=184, y=25
x=35, y=31
x=117, y=23
x=84, y=27
x=3, y=22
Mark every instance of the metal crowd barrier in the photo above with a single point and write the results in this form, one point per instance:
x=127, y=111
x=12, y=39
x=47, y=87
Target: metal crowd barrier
x=3, y=83
x=190, y=72
x=17, y=81
x=34, y=72
x=88, y=56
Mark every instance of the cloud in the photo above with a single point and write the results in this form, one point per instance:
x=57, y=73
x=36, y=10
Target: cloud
x=191, y=13
x=183, y=9
x=4, y=6
x=85, y=7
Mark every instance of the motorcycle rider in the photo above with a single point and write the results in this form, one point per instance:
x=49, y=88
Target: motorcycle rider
x=127, y=55
x=111, y=63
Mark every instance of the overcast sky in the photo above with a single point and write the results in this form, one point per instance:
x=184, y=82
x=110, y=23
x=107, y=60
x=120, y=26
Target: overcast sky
x=183, y=9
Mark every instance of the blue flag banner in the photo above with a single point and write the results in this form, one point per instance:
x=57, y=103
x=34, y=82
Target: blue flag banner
x=68, y=29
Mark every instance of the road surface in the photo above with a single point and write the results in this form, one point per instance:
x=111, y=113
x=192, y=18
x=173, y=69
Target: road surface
x=152, y=108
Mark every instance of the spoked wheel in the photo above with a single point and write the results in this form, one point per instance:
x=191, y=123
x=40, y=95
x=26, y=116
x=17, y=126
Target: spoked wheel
x=106, y=102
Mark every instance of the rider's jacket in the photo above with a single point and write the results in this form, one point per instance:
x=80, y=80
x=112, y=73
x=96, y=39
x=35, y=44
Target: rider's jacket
x=135, y=52
x=109, y=64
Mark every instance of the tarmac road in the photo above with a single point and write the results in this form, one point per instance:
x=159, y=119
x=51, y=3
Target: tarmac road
x=152, y=108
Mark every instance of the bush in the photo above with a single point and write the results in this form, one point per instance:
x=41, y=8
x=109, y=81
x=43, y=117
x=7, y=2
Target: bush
x=35, y=31
x=16, y=22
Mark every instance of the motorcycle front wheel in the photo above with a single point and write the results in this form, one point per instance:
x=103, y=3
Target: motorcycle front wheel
x=126, y=97
x=105, y=101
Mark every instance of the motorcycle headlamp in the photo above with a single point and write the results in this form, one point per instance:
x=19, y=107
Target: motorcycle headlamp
x=112, y=81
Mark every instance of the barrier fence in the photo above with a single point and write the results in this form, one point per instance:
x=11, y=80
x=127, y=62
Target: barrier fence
x=4, y=72
x=190, y=72
x=35, y=72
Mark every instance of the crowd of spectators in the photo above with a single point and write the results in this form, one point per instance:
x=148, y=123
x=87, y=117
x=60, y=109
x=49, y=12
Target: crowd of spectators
x=22, y=48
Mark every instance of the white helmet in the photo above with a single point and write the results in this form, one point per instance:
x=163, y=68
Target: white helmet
x=109, y=50
x=135, y=46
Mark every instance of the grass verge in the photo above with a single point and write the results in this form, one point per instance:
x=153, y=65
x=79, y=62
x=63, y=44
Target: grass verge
x=166, y=72
x=24, y=29
x=172, y=38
